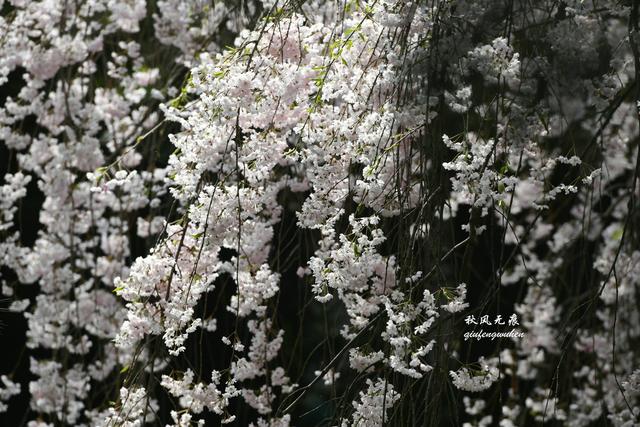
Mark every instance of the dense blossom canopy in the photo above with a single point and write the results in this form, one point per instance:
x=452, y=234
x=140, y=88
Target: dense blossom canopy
x=276, y=213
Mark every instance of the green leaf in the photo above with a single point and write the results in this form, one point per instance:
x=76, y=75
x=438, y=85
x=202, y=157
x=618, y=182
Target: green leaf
x=617, y=235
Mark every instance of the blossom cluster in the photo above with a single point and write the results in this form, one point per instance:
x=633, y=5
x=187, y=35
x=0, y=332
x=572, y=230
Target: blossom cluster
x=390, y=172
